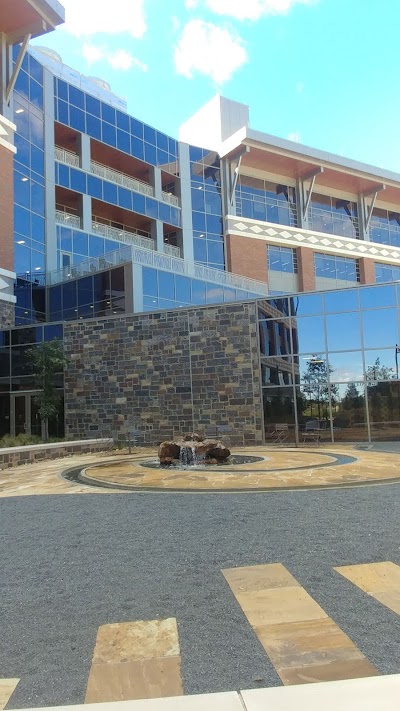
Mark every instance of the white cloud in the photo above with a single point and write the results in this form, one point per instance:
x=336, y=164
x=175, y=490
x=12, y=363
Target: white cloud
x=294, y=137
x=117, y=59
x=90, y=17
x=206, y=49
x=249, y=9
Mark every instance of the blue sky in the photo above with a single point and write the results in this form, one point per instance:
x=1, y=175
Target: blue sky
x=323, y=72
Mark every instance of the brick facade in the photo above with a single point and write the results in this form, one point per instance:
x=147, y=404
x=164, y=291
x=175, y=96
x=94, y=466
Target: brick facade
x=6, y=209
x=367, y=271
x=247, y=257
x=165, y=374
x=305, y=263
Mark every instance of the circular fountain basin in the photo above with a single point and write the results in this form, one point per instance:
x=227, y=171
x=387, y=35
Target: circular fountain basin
x=233, y=460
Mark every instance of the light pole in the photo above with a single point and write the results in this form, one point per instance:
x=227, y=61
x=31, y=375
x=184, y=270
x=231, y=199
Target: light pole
x=397, y=351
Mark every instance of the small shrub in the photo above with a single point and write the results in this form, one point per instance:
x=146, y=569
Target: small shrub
x=20, y=441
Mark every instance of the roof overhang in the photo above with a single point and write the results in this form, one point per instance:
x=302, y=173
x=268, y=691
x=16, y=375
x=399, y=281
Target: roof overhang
x=19, y=18
x=285, y=158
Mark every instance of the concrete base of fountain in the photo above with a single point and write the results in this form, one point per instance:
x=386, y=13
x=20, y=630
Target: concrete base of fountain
x=192, y=450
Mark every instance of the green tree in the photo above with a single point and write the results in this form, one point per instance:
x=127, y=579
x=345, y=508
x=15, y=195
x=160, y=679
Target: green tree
x=316, y=385
x=48, y=361
x=379, y=372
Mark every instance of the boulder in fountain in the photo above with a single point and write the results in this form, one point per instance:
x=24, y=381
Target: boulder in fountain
x=168, y=453
x=192, y=450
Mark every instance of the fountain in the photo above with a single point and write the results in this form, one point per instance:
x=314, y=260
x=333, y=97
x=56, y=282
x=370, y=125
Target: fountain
x=193, y=451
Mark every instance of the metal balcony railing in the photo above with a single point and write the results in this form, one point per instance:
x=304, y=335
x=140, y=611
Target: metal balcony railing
x=157, y=260
x=170, y=199
x=67, y=157
x=66, y=218
x=126, y=181
x=172, y=250
x=123, y=235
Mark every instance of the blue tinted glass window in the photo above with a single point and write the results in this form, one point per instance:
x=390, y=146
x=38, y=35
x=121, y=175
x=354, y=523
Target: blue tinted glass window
x=22, y=84
x=62, y=90
x=37, y=228
x=149, y=135
x=214, y=224
x=183, y=290
x=36, y=131
x=35, y=69
x=69, y=295
x=93, y=126
x=110, y=192
x=96, y=246
x=22, y=193
x=108, y=114
x=136, y=128
x=162, y=157
x=380, y=328
x=138, y=203
x=63, y=175
x=150, y=153
x=55, y=299
x=37, y=261
x=343, y=331
x=346, y=300
x=150, y=287
x=215, y=294
x=173, y=147
x=200, y=250
x=162, y=141
x=78, y=181
x=175, y=216
x=198, y=199
x=109, y=134
x=282, y=259
x=76, y=97
x=95, y=186
x=66, y=239
x=306, y=305
x=213, y=202
x=374, y=297
x=137, y=148
x=199, y=221
x=63, y=112
x=124, y=198
x=215, y=252
x=164, y=212
x=23, y=150
x=85, y=291
x=37, y=160
x=123, y=121
x=77, y=119
x=198, y=292
x=152, y=208
x=80, y=243
x=22, y=121
x=22, y=221
x=93, y=106
x=37, y=192
x=123, y=141
x=52, y=332
x=166, y=288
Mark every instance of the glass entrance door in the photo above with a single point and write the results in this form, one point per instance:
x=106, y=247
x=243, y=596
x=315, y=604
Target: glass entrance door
x=24, y=414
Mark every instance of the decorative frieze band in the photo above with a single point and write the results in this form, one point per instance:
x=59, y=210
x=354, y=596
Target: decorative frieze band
x=294, y=237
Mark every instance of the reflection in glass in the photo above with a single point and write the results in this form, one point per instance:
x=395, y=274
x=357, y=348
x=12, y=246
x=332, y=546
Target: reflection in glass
x=374, y=297
x=279, y=414
x=384, y=410
x=342, y=300
x=310, y=334
x=348, y=412
x=381, y=365
x=306, y=304
x=315, y=389
x=380, y=328
x=313, y=413
x=343, y=331
x=277, y=371
x=275, y=337
x=345, y=367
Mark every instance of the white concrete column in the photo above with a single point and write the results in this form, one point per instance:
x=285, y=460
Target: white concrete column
x=87, y=213
x=50, y=193
x=186, y=202
x=137, y=279
x=157, y=234
x=157, y=183
x=85, y=152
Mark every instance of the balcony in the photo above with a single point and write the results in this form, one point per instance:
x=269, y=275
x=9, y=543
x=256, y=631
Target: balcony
x=172, y=250
x=67, y=219
x=122, y=235
x=170, y=199
x=126, y=181
x=64, y=156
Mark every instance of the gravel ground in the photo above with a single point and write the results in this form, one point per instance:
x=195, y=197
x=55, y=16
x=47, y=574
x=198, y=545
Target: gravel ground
x=71, y=563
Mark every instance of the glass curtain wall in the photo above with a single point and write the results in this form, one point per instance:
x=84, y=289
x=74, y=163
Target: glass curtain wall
x=330, y=365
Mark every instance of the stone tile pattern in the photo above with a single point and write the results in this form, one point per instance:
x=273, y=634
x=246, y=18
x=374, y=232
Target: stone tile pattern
x=165, y=374
x=7, y=314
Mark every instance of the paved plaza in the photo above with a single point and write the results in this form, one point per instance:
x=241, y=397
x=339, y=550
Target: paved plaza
x=204, y=590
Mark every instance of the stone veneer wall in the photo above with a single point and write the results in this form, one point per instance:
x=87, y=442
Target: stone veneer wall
x=7, y=314
x=165, y=374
